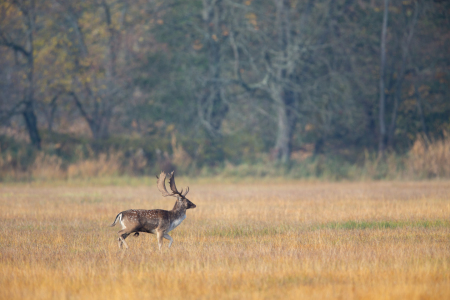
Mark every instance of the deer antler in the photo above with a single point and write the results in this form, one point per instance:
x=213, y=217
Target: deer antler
x=161, y=184
x=173, y=187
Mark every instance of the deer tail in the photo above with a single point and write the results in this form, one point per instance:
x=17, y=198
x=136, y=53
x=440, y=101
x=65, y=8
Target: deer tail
x=118, y=218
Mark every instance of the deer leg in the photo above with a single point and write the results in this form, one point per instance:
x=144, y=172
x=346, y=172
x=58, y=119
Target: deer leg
x=122, y=236
x=168, y=237
x=160, y=235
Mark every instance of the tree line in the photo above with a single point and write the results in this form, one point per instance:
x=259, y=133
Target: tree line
x=270, y=76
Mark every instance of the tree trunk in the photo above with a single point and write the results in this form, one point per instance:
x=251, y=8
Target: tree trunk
x=212, y=107
x=393, y=125
x=286, y=121
x=111, y=70
x=28, y=113
x=31, y=123
x=284, y=98
x=420, y=111
x=99, y=125
x=282, y=144
x=401, y=76
x=98, y=121
x=382, y=136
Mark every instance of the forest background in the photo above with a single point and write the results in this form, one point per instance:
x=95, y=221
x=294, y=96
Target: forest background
x=333, y=89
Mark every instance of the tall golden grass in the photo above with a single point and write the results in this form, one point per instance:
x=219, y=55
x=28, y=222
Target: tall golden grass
x=384, y=240
x=103, y=165
x=430, y=159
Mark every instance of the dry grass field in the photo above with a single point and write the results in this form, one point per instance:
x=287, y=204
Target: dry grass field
x=378, y=240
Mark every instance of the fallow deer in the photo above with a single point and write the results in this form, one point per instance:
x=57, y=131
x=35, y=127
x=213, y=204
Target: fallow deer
x=155, y=221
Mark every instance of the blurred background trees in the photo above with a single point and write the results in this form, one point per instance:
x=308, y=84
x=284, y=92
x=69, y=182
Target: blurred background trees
x=213, y=83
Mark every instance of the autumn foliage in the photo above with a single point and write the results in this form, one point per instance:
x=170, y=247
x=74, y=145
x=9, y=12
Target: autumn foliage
x=255, y=87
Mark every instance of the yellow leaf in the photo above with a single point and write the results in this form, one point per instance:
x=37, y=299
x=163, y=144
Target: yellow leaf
x=252, y=19
x=170, y=128
x=197, y=45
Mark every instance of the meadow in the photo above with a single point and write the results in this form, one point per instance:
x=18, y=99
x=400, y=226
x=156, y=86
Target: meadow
x=254, y=240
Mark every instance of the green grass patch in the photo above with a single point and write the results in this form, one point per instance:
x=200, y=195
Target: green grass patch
x=248, y=231
x=268, y=230
x=389, y=224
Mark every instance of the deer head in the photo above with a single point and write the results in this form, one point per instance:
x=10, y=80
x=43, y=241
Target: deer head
x=181, y=197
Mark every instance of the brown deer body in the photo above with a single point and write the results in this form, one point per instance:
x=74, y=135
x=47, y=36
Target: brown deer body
x=155, y=221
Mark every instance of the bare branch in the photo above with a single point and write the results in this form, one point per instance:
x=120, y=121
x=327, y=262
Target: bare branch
x=7, y=114
x=4, y=41
x=80, y=107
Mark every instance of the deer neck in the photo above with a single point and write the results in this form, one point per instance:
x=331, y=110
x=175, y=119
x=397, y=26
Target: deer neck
x=179, y=209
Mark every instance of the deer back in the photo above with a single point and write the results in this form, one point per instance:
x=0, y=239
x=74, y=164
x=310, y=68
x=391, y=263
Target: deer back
x=145, y=220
